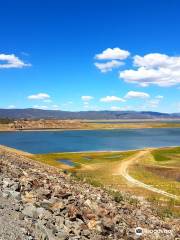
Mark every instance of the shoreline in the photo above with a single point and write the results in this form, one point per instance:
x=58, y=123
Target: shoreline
x=84, y=129
x=110, y=151
x=24, y=153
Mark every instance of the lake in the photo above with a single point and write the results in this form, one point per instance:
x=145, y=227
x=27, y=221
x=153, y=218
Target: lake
x=90, y=140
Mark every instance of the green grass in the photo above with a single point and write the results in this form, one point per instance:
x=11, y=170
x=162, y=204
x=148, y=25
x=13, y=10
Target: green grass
x=141, y=173
x=166, y=154
x=163, y=172
x=96, y=171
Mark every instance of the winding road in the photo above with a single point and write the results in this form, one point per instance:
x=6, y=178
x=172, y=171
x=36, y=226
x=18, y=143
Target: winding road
x=123, y=171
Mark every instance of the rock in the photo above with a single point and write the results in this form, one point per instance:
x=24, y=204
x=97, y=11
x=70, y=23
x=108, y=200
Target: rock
x=91, y=205
x=5, y=194
x=108, y=224
x=85, y=232
x=42, y=213
x=92, y=224
x=45, y=204
x=15, y=186
x=73, y=212
x=30, y=211
x=21, y=216
x=88, y=214
x=29, y=197
x=59, y=221
x=62, y=235
x=44, y=233
x=7, y=182
x=15, y=195
x=17, y=208
x=88, y=203
x=57, y=205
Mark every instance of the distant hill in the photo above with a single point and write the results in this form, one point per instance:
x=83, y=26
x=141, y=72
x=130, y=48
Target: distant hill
x=31, y=113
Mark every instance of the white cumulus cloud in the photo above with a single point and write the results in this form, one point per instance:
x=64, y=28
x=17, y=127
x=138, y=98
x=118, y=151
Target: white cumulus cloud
x=134, y=94
x=123, y=108
x=11, y=61
x=154, y=103
x=39, y=96
x=11, y=106
x=154, y=69
x=86, y=98
x=159, y=97
x=108, y=66
x=111, y=99
x=112, y=53
x=114, y=108
x=40, y=107
x=55, y=107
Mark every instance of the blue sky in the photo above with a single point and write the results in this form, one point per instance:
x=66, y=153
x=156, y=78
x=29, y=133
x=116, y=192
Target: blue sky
x=90, y=55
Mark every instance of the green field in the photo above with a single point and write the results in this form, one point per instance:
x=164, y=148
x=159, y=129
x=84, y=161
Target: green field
x=95, y=168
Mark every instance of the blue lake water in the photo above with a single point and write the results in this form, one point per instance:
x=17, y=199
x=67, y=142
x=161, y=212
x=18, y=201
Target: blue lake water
x=67, y=162
x=94, y=140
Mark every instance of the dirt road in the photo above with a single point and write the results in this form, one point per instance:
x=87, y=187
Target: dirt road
x=123, y=171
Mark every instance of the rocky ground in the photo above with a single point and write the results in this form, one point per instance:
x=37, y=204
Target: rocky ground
x=39, y=202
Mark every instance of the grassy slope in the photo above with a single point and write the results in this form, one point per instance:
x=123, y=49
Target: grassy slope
x=95, y=168
x=98, y=168
x=163, y=171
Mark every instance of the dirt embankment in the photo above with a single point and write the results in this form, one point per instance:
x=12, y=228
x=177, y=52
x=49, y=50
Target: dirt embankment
x=54, y=124
x=46, y=124
x=39, y=202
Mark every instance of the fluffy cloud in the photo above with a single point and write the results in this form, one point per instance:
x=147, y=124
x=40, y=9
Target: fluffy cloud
x=86, y=98
x=133, y=94
x=154, y=69
x=111, y=99
x=112, y=53
x=39, y=96
x=40, y=107
x=11, y=61
x=47, y=100
x=159, y=97
x=114, y=108
x=11, y=106
x=154, y=103
x=108, y=66
x=124, y=108
x=55, y=107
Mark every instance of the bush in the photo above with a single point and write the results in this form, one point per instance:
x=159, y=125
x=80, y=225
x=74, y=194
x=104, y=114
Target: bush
x=118, y=197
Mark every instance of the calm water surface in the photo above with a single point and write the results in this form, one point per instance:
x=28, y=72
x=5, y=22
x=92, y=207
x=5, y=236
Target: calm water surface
x=94, y=140
x=67, y=162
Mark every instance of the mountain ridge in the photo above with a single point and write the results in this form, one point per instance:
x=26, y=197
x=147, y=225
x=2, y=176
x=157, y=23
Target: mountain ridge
x=31, y=113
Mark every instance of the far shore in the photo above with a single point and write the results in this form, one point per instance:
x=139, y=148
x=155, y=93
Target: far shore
x=98, y=127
